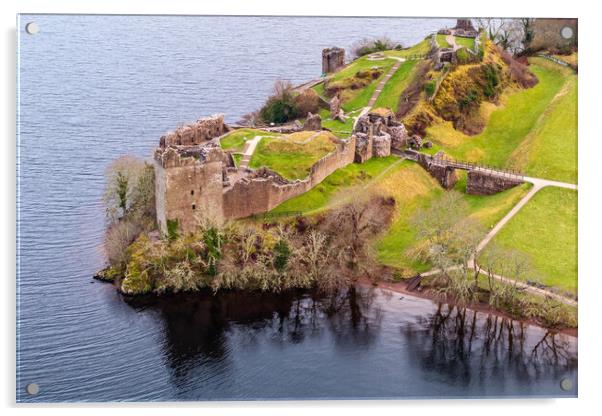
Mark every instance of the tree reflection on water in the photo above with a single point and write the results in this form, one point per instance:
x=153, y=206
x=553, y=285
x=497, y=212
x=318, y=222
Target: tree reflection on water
x=464, y=346
x=210, y=342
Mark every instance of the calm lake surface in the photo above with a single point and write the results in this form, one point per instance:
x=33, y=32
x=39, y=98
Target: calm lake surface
x=92, y=88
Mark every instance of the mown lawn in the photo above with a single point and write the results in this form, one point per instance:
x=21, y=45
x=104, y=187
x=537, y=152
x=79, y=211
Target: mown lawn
x=508, y=125
x=337, y=186
x=546, y=230
x=235, y=140
x=421, y=48
x=466, y=42
x=293, y=155
x=389, y=97
x=550, y=150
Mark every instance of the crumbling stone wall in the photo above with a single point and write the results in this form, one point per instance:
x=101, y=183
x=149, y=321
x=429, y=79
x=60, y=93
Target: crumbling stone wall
x=202, y=130
x=381, y=145
x=363, y=147
x=484, y=183
x=399, y=137
x=445, y=175
x=333, y=59
x=266, y=190
x=313, y=122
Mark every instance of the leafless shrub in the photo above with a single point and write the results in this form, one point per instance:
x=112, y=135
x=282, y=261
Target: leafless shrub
x=307, y=102
x=368, y=46
x=250, y=119
x=118, y=237
x=519, y=72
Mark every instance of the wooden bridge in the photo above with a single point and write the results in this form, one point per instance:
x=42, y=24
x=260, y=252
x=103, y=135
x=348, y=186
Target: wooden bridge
x=445, y=161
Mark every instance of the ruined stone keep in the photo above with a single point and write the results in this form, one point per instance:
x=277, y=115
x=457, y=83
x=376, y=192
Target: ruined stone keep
x=333, y=59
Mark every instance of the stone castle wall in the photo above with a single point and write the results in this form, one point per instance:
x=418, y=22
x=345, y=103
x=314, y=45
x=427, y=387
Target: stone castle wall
x=187, y=189
x=200, y=131
x=445, y=175
x=261, y=194
x=483, y=183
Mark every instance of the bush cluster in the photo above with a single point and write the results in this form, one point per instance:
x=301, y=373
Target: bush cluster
x=368, y=46
x=328, y=253
x=286, y=105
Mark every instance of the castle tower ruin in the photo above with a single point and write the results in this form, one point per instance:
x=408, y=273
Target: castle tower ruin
x=189, y=172
x=333, y=59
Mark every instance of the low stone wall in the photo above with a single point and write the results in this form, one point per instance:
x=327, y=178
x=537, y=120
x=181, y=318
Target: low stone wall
x=483, y=183
x=261, y=194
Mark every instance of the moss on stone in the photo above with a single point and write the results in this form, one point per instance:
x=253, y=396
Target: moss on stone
x=137, y=279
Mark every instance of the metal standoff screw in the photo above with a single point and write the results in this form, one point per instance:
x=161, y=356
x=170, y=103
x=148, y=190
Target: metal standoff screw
x=566, y=384
x=32, y=389
x=32, y=28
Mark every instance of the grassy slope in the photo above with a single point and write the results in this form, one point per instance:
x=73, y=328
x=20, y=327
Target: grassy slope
x=442, y=41
x=356, y=99
x=291, y=156
x=467, y=42
x=339, y=128
x=508, y=125
x=546, y=229
x=394, y=245
x=420, y=48
x=550, y=150
x=384, y=176
x=389, y=97
x=327, y=192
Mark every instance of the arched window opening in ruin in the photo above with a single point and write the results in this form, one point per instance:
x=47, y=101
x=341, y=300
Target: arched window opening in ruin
x=193, y=207
x=192, y=192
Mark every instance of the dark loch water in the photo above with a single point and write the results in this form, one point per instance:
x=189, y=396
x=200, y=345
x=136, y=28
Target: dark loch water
x=92, y=88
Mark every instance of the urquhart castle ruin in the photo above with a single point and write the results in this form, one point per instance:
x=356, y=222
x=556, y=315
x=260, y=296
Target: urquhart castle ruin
x=195, y=178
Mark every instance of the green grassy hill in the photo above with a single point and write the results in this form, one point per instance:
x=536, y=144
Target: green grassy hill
x=546, y=230
x=534, y=116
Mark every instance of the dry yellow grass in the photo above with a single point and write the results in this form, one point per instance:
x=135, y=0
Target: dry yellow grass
x=405, y=184
x=571, y=59
x=445, y=134
x=381, y=111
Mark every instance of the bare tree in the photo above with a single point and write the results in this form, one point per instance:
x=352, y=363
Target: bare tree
x=118, y=237
x=282, y=89
x=451, y=238
x=493, y=26
x=121, y=177
x=353, y=225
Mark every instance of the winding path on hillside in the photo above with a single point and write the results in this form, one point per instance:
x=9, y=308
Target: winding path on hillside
x=379, y=89
x=538, y=184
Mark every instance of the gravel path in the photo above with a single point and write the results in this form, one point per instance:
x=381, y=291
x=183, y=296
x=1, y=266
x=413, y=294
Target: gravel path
x=538, y=184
